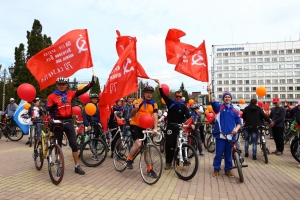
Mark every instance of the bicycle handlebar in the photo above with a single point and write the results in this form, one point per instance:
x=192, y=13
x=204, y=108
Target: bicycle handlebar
x=146, y=133
x=233, y=141
x=179, y=125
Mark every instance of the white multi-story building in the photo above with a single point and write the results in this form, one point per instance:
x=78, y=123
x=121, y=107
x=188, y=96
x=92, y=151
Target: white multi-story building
x=241, y=68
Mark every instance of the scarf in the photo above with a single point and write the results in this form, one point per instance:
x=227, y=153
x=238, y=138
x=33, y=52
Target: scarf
x=179, y=104
x=117, y=108
x=63, y=94
x=145, y=101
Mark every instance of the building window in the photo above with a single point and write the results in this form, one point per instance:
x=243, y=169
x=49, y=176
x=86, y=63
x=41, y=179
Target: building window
x=289, y=73
x=297, y=66
x=260, y=60
x=239, y=75
x=252, y=53
x=281, y=73
x=275, y=81
x=225, y=68
x=297, y=50
x=260, y=74
x=225, y=61
x=225, y=54
x=282, y=88
x=246, y=53
x=239, y=53
x=232, y=54
x=268, y=88
x=233, y=89
x=297, y=80
x=297, y=74
x=226, y=88
x=290, y=88
x=297, y=96
x=282, y=96
x=267, y=67
x=232, y=61
x=252, y=66
x=268, y=81
x=246, y=74
x=281, y=80
x=247, y=81
x=232, y=68
x=289, y=80
x=267, y=52
x=219, y=82
x=240, y=89
x=253, y=81
x=274, y=73
x=220, y=96
x=219, y=75
x=289, y=96
x=260, y=67
x=233, y=82
x=274, y=89
x=239, y=96
x=267, y=59
x=268, y=96
x=246, y=67
x=253, y=96
x=218, y=61
x=281, y=59
x=226, y=82
x=225, y=75
x=239, y=68
x=281, y=51
x=219, y=89
x=253, y=88
x=232, y=75
x=289, y=51
x=260, y=81
x=259, y=53
x=281, y=66
x=239, y=82
x=246, y=60
x=219, y=55
x=289, y=59
x=267, y=74
x=297, y=88
x=297, y=58
x=238, y=60
x=274, y=66
x=219, y=68
x=252, y=60
x=274, y=59
x=247, y=96
x=274, y=52
x=289, y=66
x=253, y=74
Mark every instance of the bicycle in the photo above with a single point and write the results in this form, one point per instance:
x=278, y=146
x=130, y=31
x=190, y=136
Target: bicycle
x=32, y=130
x=48, y=148
x=149, y=153
x=263, y=144
x=9, y=130
x=93, y=151
x=236, y=156
x=295, y=149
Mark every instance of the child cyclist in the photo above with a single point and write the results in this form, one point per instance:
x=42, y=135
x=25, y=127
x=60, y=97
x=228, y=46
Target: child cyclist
x=197, y=122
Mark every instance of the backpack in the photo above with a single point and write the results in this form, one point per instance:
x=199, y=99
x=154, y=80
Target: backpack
x=298, y=117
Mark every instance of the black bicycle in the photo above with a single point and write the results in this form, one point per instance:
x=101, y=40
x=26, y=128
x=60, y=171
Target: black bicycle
x=10, y=131
x=263, y=144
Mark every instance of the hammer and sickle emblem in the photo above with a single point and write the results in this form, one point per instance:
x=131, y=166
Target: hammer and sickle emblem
x=83, y=43
x=199, y=59
x=128, y=61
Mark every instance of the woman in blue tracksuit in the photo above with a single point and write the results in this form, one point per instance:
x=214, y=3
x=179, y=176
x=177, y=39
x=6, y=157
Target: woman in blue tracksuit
x=228, y=121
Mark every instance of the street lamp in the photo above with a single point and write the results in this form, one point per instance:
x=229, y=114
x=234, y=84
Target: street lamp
x=11, y=70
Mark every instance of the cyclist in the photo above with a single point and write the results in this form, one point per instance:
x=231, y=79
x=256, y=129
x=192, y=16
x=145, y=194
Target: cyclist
x=94, y=120
x=197, y=122
x=35, y=113
x=60, y=103
x=229, y=122
x=127, y=114
x=177, y=113
x=11, y=109
x=145, y=105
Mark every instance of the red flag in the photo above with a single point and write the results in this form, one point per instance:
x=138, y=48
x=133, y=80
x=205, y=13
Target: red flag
x=67, y=55
x=121, y=44
x=189, y=60
x=104, y=115
x=122, y=80
x=288, y=105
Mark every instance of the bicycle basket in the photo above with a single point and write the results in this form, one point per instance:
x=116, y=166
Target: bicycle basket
x=188, y=122
x=55, y=125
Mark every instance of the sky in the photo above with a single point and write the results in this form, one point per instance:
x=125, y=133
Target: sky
x=218, y=22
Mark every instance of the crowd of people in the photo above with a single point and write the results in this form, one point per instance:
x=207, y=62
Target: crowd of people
x=227, y=122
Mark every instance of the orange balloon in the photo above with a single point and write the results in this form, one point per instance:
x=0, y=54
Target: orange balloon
x=90, y=109
x=209, y=108
x=242, y=101
x=206, y=112
x=191, y=102
x=134, y=102
x=27, y=106
x=261, y=91
x=163, y=101
x=80, y=87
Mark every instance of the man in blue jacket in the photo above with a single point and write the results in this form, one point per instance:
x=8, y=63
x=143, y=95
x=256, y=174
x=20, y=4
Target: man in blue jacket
x=227, y=121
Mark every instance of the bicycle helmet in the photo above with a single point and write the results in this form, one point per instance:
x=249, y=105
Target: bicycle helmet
x=94, y=95
x=194, y=107
x=62, y=80
x=148, y=88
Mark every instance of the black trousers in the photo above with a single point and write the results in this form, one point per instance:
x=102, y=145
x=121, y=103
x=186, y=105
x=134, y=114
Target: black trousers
x=196, y=133
x=71, y=135
x=201, y=128
x=171, y=142
x=278, y=137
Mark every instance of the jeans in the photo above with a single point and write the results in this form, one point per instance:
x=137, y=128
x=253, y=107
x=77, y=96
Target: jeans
x=254, y=137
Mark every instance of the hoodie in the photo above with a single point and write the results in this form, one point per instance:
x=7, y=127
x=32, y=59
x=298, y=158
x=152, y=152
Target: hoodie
x=254, y=116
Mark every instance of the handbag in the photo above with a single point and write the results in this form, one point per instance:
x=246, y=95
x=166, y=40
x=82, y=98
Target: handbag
x=55, y=125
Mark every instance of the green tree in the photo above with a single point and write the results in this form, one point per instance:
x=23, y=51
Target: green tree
x=184, y=92
x=96, y=88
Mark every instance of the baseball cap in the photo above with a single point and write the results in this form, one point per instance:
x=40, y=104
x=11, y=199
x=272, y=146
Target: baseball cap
x=276, y=100
x=35, y=100
x=11, y=99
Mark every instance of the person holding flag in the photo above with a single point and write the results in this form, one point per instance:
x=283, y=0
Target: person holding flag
x=60, y=103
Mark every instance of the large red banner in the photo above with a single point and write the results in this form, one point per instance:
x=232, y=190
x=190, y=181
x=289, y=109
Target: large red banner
x=67, y=55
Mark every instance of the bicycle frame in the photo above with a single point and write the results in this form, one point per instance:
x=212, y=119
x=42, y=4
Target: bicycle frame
x=112, y=139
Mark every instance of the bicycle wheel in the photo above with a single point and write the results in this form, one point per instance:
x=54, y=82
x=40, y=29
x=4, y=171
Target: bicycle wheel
x=31, y=135
x=238, y=164
x=38, y=155
x=206, y=136
x=56, y=164
x=65, y=140
x=211, y=145
x=186, y=168
x=151, y=157
x=13, y=134
x=122, y=149
x=193, y=142
x=93, y=152
x=157, y=139
x=295, y=149
x=264, y=151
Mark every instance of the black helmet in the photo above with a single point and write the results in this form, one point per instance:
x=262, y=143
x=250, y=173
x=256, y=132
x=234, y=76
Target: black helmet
x=62, y=80
x=148, y=88
x=194, y=107
x=94, y=95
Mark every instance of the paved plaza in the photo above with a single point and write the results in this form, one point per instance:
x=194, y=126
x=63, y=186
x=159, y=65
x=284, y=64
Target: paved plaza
x=280, y=179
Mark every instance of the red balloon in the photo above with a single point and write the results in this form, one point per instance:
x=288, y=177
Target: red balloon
x=240, y=113
x=76, y=110
x=85, y=98
x=210, y=117
x=146, y=121
x=165, y=89
x=26, y=92
x=100, y=95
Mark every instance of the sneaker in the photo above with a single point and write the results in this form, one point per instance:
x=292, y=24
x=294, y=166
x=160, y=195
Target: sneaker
x=279, y=153
x=229, y=174
x=78, y=170
x=201, y=153
x=95, y=157
x=27, y=142
x=254, y=158
x=152, y=174
x=246, y=155
x=168, y=166
x=274, y=152
x=216, y=173
x=128, y=164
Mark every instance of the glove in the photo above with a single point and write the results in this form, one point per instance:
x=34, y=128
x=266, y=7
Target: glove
x=93, y=81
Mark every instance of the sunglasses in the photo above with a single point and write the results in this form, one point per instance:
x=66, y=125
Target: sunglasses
x=178, y=96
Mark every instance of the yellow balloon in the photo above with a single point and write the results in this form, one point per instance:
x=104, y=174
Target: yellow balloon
x=209, y=108
x=90, y=109
x=27, y=106
x=80, y=87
